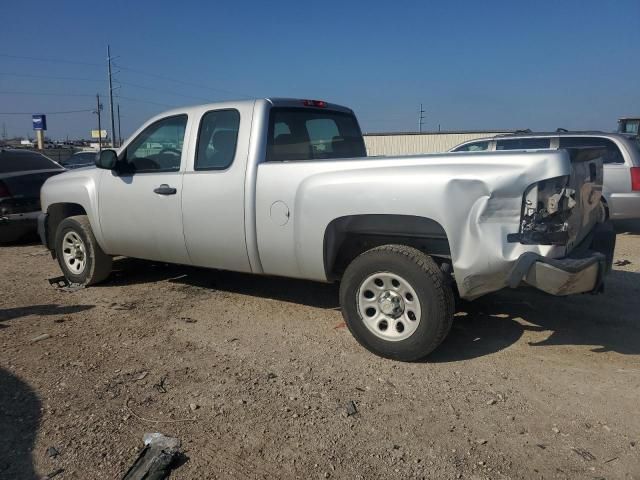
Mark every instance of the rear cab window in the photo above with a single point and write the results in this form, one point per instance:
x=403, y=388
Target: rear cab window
x=523, y=144
x=310, y=134
x=12, y=161
x=613, y=154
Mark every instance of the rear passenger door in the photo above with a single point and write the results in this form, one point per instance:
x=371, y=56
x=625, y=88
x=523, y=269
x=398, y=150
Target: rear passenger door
x=214, y=189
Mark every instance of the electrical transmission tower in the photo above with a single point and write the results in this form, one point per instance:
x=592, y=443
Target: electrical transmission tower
x=420, y=118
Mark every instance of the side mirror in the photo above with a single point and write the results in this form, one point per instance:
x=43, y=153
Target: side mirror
x=107, y=159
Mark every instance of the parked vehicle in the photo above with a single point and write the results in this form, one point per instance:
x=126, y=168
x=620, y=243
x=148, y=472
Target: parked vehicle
x=80, y=160
x=621, y=188
x=630, y=125
x=22, y=173
x=283, y=187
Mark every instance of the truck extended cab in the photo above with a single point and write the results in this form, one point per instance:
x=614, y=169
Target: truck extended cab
x=284, y=187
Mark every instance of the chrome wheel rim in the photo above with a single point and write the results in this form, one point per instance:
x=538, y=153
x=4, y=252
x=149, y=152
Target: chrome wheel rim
x=389, y=306
x=74, y=252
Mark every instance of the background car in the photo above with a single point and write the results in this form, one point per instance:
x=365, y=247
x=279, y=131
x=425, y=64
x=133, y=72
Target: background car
x=79, y=160
x=22, y=173
x=621, y=188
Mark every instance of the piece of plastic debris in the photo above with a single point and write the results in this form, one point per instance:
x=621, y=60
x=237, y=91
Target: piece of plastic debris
x=52, y=452
x=351, y=408
x=61, y=283
x=44, y=336
x=156, y=460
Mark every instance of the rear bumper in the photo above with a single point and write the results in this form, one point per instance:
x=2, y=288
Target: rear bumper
x=582, y=271
x=623, y=206
x=15, y=226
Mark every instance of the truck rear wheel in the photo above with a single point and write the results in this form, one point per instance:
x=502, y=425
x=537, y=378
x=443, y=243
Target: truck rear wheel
x=80, y=257
x=397, y=302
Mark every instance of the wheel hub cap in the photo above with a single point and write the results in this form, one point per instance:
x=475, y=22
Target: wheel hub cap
x=74, y=252
x=389, y=306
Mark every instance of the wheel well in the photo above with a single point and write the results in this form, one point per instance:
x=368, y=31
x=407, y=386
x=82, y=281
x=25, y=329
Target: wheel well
x=58, y=212
x=347, y=237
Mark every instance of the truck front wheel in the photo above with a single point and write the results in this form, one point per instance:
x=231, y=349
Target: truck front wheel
x=80, y=257
x=396, y=302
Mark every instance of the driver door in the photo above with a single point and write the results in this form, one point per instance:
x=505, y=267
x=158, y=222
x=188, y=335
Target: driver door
x=140, y=202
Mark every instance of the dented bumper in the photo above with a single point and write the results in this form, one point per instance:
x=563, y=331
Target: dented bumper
x=582, y=271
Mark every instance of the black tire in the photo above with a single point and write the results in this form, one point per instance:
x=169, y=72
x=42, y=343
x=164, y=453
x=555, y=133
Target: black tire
x=98, y=264
x=431, y=285
x=604, y=211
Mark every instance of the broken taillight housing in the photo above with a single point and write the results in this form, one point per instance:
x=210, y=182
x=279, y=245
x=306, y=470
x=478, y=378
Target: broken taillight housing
x=545, y=211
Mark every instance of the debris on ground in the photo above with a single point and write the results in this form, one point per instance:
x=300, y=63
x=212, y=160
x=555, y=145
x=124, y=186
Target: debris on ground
x=350, y=408
x=61, y=283
x=586, y=454
x=160, y=455
x=621, y=263
x=188, y=320
x=52, y=452
x=142, y=375
x=41, y=337
x=160, y=385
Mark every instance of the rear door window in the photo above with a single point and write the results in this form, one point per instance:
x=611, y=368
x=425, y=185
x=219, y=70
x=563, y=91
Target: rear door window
x=305, y=134
x=23, y=160
x=217, y=139
x=613, y=154
x=473, y=147
x=523, y=144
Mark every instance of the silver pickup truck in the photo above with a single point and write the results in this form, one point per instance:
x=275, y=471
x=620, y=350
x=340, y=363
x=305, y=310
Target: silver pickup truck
x=284, y=187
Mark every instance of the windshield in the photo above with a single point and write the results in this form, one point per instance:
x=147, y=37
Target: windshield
x=24, y=160
x=306, y=134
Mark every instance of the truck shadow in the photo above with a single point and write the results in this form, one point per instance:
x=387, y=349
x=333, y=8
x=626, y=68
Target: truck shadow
x=128, y=271
x=606, y=322
x=19, y=422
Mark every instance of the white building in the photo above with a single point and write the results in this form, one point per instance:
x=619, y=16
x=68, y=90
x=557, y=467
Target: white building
x=413, y=143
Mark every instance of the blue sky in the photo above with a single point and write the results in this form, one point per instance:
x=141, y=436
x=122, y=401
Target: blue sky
x=473, y=65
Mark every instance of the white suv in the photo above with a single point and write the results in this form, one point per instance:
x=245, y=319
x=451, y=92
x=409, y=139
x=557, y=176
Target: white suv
x=621, y=188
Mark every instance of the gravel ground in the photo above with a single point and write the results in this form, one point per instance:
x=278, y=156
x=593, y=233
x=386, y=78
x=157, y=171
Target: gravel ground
x=254, y=375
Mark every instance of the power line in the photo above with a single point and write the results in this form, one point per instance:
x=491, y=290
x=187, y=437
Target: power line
x=55, y=60
x=54, y=77
x=147, y=101
x=46, y=113
x=160, y=77
x=159, y=90
x=47, y=94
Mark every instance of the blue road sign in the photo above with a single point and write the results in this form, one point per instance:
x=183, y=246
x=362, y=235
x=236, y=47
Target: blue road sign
x=39, y=122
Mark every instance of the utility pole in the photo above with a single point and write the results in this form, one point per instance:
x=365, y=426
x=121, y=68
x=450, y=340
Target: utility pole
x=420, y=118
x=113, y=125
x=119, y=131
x=97, y=112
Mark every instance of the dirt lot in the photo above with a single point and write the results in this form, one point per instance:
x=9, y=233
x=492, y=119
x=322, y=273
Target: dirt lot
x=253, y=375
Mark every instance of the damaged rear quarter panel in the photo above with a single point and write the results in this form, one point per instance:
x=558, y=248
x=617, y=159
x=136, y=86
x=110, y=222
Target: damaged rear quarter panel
x=476, y=198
